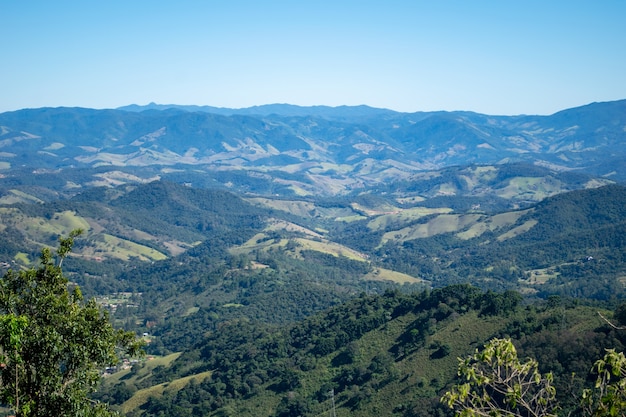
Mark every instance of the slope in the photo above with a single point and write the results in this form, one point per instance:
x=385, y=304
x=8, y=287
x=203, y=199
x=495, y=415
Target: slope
x=307, y=151
x=578, y=236
x=391, y=354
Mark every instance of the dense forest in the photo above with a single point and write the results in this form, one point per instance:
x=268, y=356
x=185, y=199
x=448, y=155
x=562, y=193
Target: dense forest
x=285, y=306
x=392, y=353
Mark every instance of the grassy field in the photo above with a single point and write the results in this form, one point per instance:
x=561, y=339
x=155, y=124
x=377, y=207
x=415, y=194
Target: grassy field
x=330, y=248
x=22, y=259
x=16, y=196
x=45, y=232
x=405, y=216
x=142, y=396
x=530, y=188
x=125, y=249
x=526, y=226
x=40, y=230
x=444, y=223
x=375, y=210
x=381, y=274
x=143, y=371
x=466, y=226
x=541, y=276
x=491, y=223
x=313, y=241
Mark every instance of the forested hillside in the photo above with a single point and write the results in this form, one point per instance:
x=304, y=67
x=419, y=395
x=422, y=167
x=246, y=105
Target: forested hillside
x=175, y=239
x=571, y=244
x=190, y=252
x=278, y=303
x=389, y=354
x=252, y=347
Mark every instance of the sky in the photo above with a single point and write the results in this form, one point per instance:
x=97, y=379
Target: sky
x=493, y=57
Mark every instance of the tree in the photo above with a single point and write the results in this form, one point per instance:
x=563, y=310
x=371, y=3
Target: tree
x=498, y=384
x=620, y=314
x=53, y=345
x=608, y=398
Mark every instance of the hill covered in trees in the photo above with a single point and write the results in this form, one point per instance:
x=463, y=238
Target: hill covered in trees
x=265, y=302
x=282, y=259
x=389, y=354
x=196, y=249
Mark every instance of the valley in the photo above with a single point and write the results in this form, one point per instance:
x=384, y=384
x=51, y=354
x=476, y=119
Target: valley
x=282, y=259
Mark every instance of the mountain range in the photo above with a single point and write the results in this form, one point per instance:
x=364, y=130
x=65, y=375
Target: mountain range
x=294, y=150
x=289, y=260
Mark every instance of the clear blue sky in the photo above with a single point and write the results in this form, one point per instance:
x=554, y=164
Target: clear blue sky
x=494, y=57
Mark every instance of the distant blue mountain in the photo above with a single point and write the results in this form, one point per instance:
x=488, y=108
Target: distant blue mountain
x=334, y=113
x=332, y=149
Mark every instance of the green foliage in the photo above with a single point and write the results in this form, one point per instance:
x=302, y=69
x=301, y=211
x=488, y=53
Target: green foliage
x=578, y=236
x=608, y=397
x=188, y=213
x=620, y=314
x=395, y=351
x=54, y=344
x=497, y=383
x=358, y=349
x=262, y=299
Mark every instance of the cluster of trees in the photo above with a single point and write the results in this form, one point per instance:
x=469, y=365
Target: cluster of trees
x=221, y=287
x=190, y=214
x=248, y=358
x=54, y=346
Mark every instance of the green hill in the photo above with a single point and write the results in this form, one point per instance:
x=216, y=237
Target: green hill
x=578, y=236
x=391, y=354
x=284, y=259
x=272, y=303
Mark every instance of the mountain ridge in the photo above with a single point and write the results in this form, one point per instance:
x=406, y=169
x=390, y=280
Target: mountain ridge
x=308, y=150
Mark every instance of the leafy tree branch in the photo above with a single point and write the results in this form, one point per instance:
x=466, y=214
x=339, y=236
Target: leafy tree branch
x=54, y=345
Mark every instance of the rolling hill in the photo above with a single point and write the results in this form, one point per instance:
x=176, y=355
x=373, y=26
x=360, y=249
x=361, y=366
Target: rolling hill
x=194, y=254
x=305, y=151
x=390, y=354
x=276, y=254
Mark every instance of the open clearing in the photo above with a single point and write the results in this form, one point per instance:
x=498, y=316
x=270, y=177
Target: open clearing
x=403, y=217
x=445, y=223
x=381, y=274
x=491, y=223
x=45, y=232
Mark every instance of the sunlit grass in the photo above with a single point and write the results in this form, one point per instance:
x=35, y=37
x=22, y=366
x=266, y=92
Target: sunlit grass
x=382, y=274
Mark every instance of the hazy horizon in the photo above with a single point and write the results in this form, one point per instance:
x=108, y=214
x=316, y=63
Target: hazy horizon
x=297, y=105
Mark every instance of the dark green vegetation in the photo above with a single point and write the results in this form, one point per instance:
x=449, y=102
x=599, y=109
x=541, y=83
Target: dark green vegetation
x=282, y=259
x=189, y=251
x=389, y=354
x=493, y=381
x=242, y=286
x=54, y=346
x=572, y=244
